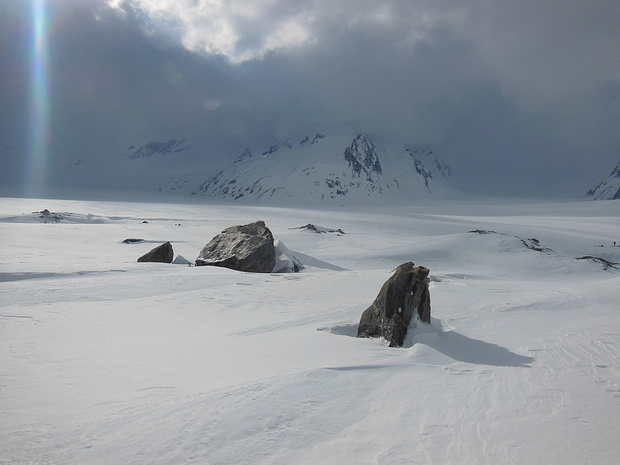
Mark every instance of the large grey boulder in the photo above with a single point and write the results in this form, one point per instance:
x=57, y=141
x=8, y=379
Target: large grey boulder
x=246, y=247
x=403, y=295
x=160, y=254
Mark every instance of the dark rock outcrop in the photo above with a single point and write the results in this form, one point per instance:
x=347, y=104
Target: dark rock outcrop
x=401, y=297
x=162, y=148
x=160, y=254
x=132, y=240
x=601, y=261
x=531, y=243
x=320, y=229
x=362, y=157
x=244, y=248
x=51, y=217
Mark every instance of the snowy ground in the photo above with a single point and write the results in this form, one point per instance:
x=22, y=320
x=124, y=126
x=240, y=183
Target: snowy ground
x=105, y=360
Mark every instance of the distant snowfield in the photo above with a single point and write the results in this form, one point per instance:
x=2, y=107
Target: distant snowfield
x=105, y=360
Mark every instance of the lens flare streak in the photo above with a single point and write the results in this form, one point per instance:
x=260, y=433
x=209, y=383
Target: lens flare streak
x=36, y=171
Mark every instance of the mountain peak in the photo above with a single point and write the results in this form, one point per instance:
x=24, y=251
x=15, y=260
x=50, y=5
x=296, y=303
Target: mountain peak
x=362, y=157
x=608, y=189
x=247, y=153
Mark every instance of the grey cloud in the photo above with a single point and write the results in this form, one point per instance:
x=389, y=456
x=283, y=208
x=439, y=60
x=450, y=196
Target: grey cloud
x=547, y=49
x=496, y=88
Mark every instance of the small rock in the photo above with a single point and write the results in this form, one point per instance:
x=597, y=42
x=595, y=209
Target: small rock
x=131, y=240
x=320, y=229
x=601, y=261
x=160, y=254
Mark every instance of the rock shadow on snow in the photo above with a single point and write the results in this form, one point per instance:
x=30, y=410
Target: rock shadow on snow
x=449, y=343
x=343, y=329
x=463, y=348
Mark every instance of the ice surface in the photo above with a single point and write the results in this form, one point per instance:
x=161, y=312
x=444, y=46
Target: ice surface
x=105, y=360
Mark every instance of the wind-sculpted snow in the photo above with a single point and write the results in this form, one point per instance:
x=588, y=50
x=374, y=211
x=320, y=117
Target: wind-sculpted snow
x=105, y=360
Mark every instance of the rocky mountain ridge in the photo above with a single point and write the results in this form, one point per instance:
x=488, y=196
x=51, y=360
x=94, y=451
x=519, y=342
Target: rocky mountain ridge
x=330, y=168
x=155, y=148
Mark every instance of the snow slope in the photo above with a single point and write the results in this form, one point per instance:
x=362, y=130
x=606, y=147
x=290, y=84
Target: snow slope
x=105, y=360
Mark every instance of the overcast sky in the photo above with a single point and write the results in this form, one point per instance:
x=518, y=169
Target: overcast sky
x=528, y=90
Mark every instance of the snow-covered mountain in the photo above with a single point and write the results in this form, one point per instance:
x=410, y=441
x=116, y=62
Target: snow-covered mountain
x=332, y=169
x=608, y=189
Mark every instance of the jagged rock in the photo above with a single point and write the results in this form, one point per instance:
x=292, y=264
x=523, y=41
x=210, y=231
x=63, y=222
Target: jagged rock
x=247, y=153
x=401, y=297
x=244, y=248
x=534, y=244
x=362, y=157
x=160, y=254
x=51, y=217
x=318, y=137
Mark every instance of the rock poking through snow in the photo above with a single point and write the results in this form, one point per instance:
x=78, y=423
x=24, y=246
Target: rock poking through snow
x=244, y=248
x=320, y=229
x=132, y=240
x=401, y=297
x=50, y=217
x=160, y=254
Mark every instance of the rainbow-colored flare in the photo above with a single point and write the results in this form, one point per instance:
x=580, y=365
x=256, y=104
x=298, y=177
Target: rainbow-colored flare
x=36, y=170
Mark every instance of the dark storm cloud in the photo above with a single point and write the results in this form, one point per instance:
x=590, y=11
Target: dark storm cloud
x=110, y=85
x=526, y=91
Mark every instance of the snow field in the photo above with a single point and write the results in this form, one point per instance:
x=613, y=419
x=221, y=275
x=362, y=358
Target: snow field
x=105, y=360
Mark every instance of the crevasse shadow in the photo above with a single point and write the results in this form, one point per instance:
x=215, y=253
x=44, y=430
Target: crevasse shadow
x=463, y=348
